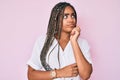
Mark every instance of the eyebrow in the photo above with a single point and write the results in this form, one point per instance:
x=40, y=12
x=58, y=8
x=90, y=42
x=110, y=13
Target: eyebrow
x=69, y=14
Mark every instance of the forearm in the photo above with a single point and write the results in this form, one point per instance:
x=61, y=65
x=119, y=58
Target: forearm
x=65, y=72
x=38, y=75
x=85, y=69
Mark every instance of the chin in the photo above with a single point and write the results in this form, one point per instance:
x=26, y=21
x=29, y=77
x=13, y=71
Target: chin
x=69, y=31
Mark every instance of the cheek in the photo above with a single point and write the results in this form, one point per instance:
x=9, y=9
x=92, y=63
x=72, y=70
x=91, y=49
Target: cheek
x=64, y=25
x=64, y=22
x=74, y=20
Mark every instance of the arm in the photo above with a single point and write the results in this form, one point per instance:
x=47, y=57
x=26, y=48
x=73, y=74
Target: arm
x=84, y=67
x=38, y=75
x=35, y=74
x=67, y=71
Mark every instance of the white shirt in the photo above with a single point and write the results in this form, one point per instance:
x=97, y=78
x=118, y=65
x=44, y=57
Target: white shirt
x=66, y=57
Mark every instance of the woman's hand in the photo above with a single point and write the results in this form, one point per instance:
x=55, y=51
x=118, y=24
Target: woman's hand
x=68, y=71
x=75, y=33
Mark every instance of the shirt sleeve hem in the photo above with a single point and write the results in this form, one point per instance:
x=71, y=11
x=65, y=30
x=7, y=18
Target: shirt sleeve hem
x=33, y=65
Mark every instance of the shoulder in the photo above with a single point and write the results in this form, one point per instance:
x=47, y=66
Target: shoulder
x=41, y=38
x=40, y=41
x=83, y=43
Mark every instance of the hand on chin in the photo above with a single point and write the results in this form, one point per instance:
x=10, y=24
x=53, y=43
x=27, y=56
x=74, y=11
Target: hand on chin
x=75, y=33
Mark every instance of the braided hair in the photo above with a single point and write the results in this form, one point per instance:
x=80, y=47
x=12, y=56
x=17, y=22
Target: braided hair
x=54, y=28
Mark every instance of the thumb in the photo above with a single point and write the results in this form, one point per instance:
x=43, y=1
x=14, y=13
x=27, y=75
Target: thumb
x=72, y=32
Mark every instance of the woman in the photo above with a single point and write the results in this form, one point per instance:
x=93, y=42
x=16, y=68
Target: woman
x=61, y=55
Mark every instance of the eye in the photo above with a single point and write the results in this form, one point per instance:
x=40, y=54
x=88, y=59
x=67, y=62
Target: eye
x=65, y=17
x=73, y=16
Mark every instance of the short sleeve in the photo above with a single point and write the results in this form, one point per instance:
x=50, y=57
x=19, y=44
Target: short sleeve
x=85, y=48
x=34, y=61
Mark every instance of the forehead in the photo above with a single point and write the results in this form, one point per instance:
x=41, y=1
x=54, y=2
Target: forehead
x=68, y=9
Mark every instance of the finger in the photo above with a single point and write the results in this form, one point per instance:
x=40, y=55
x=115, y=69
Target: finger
x=78, y=28
x=74, y=65
x=75, y=68
x=72, y=32
x=75, y=73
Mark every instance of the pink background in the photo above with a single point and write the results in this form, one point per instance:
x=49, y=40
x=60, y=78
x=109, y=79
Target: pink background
x=23, y=21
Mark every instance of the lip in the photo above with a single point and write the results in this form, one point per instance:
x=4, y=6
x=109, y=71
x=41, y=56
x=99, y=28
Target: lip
x=71, y=25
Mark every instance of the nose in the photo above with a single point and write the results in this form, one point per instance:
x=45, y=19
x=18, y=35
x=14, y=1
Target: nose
x=70, y=19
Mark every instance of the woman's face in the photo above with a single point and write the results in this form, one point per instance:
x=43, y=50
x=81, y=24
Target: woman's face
x=69, y=21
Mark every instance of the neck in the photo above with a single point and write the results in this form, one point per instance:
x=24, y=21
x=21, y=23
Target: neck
x=64, y=36
x=64, y=39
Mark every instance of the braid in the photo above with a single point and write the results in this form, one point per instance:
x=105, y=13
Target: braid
x=54, y=27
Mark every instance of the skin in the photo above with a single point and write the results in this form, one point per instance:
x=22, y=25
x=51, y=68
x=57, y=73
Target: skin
x=70, y=32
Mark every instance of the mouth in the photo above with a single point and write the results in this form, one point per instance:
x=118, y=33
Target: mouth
x=71, y=25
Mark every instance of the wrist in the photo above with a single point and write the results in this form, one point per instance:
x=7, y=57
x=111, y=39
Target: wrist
x=73, y=40
x=53, y=74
